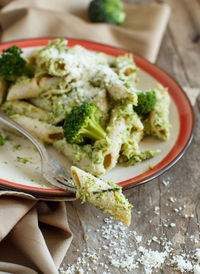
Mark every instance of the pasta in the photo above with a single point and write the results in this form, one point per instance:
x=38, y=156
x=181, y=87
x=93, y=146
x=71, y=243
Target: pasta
x=97, y=192
x=27, y=109
x=118, y=128
x=23, y=88
x=44, y=131
x=82, y=156
x=157, y=123
x=66, y=77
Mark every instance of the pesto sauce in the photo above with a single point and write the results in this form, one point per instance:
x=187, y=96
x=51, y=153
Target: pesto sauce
x=22, y=160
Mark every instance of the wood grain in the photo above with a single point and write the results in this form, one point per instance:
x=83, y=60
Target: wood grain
x=155, y=203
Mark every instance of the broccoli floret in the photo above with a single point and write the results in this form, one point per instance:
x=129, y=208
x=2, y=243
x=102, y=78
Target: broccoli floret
x=146, y=102
x=108, y=11
x=12, y=64
x=83, y=123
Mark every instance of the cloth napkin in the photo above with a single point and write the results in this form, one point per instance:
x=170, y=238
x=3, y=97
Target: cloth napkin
x=141, y=32
x=34, y=234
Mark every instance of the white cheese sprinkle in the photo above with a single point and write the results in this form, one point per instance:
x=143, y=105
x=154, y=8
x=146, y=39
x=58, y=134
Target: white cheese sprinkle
x=118, y=250
x=172, y=199
x=165, y=182
x=182, y=264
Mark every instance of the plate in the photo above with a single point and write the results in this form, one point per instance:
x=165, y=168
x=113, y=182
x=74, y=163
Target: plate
x=16, y=175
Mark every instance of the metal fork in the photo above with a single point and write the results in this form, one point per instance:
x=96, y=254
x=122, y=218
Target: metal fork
x=52, y=170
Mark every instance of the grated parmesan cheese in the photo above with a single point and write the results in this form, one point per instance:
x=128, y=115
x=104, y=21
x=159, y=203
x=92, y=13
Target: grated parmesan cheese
x=118, y=251
x=182, y=263
x=122, y=250
x=151, y=259
x=165, y=182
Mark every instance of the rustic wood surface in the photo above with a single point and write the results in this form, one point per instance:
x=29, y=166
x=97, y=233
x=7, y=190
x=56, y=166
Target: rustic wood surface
x=155, y=203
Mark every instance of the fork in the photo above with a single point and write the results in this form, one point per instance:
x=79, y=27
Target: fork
x=52, y=170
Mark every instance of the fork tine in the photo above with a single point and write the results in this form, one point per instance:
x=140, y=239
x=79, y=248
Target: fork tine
x=65, y=179
x=65, y=183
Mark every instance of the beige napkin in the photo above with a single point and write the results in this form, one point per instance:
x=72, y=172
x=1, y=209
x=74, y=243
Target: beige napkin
x=34, y=234
x=141, y=32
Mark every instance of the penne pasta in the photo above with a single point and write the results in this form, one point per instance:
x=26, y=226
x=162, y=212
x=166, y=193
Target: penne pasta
x=116, y=135
x=81, y=156
x=117, y=88
x=118, y=129
x=65, y=78
x=96, y=191
x=131, y=146
x=58, y=60
x=45, y=132
x=24, y=88
x=157, y=123
x=125, y=67
x=44, y=102
x=27, y=109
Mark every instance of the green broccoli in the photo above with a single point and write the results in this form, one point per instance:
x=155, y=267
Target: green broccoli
x=83, y=123
x=12, y=64
x=108, y=11
x=1, y=140
x=146, y=102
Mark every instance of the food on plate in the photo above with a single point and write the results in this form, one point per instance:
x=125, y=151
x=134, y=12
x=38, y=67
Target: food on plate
x=87, y=105
x=108, y=11
x=157, y=123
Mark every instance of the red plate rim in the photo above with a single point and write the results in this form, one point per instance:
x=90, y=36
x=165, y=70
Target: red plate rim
x=184, y=107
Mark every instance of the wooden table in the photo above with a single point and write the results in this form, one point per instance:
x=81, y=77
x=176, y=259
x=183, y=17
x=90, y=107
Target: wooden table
x=167, y=207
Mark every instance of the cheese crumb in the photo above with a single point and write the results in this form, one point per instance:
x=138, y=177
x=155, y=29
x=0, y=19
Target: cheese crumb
x=165, y=183
x=172, y=199
x=182, y=264
x=118, y=251
x=156, y=210
x=151, y=259
x=196, y=269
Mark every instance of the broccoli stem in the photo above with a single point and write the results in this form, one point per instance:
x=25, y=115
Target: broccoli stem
x=93, y=130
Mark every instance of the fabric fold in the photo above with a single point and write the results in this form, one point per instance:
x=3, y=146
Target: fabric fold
x=18, y=207
x=33, y=233
x=141, y=33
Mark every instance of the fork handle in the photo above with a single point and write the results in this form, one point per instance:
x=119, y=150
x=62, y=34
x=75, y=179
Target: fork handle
x=11, y=123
